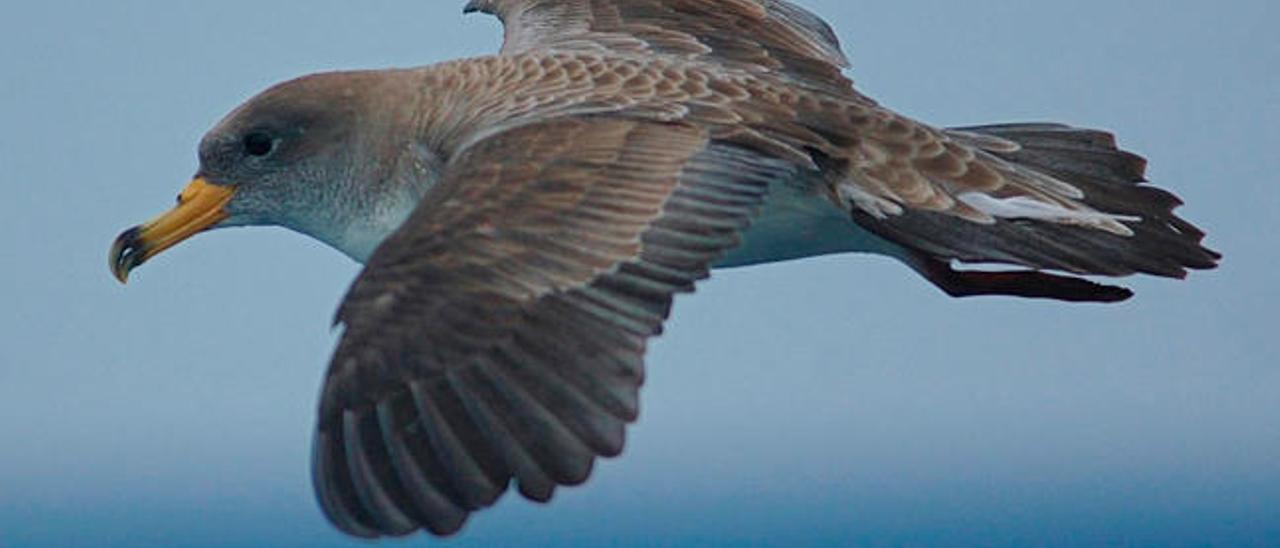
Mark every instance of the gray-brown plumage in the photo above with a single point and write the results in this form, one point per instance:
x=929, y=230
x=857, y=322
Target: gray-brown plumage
x=527, y=218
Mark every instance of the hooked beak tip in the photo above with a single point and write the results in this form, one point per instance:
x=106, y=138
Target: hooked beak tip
x=127, y=253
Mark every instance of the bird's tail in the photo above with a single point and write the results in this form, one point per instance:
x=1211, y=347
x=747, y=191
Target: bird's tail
x=1111, y=180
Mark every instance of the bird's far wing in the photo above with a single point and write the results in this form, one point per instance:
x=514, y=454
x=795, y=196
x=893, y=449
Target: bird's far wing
x=772, y=35
x=499, y=333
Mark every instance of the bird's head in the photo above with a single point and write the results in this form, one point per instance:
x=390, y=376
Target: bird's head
x=330, y=155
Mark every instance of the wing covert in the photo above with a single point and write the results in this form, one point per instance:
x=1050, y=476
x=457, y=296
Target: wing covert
x=770, y=35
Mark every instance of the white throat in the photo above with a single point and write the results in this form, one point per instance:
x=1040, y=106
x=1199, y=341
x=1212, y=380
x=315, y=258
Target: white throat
x=362, y=238
x=357, y=233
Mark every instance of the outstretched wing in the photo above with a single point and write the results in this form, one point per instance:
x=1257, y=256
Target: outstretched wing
x=772, y=35
x=499, y=333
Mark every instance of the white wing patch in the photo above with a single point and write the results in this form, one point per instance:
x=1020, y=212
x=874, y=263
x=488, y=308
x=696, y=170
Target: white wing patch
x=1023, y=207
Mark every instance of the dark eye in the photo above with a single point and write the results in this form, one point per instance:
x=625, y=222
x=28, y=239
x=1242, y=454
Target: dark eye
x=258, y=144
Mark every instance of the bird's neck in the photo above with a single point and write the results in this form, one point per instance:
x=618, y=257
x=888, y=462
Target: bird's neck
x=359, y=238
x=365, y=213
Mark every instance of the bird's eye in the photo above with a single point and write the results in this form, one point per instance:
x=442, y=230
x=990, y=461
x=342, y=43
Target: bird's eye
x=258, y=144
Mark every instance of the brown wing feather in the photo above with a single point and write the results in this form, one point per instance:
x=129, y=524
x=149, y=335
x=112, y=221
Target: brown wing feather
x=753, y=35
x=499, y=333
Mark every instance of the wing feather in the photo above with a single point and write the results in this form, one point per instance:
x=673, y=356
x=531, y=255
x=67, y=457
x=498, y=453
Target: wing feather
x=417, y=467
x=753, y=35
x=499, y=334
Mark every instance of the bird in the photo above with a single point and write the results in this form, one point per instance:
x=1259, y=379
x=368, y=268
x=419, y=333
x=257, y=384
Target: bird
x=525, y=220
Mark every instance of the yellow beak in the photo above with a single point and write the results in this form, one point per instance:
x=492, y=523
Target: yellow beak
x=200, y=206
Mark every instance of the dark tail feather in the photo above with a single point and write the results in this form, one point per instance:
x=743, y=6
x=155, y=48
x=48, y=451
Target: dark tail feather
x=1112, y=180
x=1031, y=284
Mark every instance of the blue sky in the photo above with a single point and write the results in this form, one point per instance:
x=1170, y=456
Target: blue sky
x=833, y=400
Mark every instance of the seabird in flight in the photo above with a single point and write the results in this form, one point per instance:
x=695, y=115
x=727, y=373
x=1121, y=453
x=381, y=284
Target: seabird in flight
x=526, y=218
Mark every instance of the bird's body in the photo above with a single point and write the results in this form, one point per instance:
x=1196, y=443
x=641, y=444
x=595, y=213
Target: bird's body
x=527, y=218
x=475, y=97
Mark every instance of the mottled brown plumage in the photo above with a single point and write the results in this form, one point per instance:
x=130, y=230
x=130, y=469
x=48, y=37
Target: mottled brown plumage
x=567, y=188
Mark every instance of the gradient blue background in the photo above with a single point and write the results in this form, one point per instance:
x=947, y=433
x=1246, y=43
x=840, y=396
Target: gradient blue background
x=835, y=400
